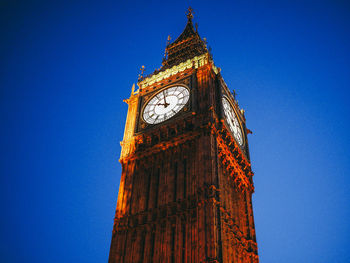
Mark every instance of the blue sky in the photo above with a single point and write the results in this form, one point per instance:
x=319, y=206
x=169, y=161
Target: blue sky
x=66, y=66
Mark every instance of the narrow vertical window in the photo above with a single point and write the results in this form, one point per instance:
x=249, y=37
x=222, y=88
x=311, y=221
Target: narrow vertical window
x=132, y=195
x=148, y=189
x=247, y=214
x=156, y=187
x=183, y=241
x=172, y=238
x=185, y=177
x=133, y=251
x=175, y=181
x=152, y=246
x=125, y=248
x=142, y=247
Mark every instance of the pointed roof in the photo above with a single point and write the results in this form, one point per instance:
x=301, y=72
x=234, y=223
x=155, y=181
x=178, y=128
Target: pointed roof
x=188, y=45
x=188, y=31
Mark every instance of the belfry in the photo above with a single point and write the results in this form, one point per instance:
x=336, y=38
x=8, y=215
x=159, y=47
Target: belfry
x=186, y=187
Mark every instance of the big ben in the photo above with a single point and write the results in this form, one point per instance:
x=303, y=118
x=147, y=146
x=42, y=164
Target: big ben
x=186, y=187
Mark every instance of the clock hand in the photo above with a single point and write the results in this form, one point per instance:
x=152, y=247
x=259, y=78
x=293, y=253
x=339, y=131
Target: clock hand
x=165, y=103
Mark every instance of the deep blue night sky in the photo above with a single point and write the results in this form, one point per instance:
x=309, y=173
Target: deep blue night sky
x=65, y=68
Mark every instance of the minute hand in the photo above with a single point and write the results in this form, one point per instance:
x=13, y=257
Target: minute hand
x=165, y=103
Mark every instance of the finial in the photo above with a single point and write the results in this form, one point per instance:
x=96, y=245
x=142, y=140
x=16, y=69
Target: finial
x=168, y=40
x=166, y=50
x=196, y=25
x=142, y=70
x=234, y=93
x=133, y=89
x=190, y=13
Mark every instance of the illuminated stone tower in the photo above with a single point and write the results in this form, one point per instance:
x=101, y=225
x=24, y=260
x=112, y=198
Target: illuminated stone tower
x=186, y=186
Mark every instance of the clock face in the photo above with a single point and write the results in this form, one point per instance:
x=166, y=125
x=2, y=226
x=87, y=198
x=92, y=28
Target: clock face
x=232, y=121
x=165, y=104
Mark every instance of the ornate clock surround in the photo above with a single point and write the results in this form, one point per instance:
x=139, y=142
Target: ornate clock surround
x=151, y=91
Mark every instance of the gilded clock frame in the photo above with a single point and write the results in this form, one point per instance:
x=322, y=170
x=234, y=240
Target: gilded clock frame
x=148, y=97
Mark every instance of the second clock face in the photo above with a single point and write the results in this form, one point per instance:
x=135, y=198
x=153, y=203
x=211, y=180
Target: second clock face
x=232, y=121
x=165, y=104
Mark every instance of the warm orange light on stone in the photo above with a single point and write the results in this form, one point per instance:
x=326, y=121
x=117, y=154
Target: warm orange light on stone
x=186, y=185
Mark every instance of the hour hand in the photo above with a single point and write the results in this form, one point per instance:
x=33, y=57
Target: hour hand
x=164, y=104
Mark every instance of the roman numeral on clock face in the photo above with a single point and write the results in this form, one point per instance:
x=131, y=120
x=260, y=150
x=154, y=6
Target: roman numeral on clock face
x=165, y=104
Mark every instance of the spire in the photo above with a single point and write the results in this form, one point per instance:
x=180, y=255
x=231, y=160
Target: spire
x=188, y=45
x=189, y=29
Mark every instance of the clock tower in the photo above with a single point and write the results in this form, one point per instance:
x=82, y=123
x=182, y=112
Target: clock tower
x=186, y=187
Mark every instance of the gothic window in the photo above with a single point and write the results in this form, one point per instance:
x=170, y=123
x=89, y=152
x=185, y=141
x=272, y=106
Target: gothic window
x=175, y=181
x=152, y=246
x=185, y=178
x=156, y=190
x=183, y=232
x=148, y=189
x=172, y=244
